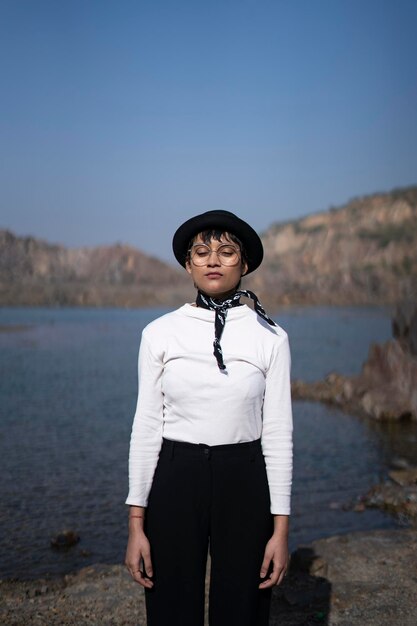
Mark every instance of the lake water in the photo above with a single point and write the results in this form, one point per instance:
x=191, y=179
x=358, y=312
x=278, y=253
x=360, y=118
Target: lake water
x=68, y=382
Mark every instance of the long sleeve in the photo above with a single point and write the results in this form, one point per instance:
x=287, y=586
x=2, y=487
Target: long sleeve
x=146, y=436
x=277, y=427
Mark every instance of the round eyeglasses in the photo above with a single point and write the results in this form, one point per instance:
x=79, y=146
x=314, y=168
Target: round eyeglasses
x=200, y=253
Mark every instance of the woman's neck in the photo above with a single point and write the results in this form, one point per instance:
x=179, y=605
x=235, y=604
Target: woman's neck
x=219, y=297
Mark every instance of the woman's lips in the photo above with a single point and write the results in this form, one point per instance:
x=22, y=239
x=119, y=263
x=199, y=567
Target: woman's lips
x=213, y=275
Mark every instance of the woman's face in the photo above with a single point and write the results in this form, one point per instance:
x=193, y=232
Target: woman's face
x=212, y=277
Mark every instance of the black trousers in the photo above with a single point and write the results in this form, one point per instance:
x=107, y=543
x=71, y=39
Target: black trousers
x=214, y=497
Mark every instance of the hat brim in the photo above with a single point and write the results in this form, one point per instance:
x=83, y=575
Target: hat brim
x=226, y=222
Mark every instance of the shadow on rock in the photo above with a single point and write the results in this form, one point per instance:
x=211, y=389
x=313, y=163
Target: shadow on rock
x=303, y=599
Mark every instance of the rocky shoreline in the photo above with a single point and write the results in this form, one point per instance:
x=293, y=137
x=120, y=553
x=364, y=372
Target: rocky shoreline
x=386, y=388
x=396, y=495
x=358, y=579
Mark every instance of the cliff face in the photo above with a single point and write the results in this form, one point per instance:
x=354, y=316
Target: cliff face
x=363, y=252
x=34, y=272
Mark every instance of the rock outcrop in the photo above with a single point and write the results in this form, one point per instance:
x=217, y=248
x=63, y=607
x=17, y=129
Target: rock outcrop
x=361, y=253
x=35, y=272
x=397, y=495
x=404, y=326
x=386, y=388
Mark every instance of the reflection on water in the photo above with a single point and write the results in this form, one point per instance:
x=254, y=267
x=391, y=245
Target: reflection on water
x=68, y=388
x=397, y=440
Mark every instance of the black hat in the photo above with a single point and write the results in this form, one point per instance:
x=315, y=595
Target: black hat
x=226, y=222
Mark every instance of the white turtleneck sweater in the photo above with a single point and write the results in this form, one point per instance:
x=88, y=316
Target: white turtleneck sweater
x=184, y=396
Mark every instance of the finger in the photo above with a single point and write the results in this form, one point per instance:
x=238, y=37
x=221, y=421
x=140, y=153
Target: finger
x=140, y=578
x=274, y=578
x=137, y=574
x=265, y=565
x=146, y=555
x=266, y=584
x=281, y=576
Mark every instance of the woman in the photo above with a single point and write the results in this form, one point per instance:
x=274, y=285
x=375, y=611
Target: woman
x=210, y=461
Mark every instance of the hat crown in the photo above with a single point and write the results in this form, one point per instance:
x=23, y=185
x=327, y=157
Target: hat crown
x=221, y=212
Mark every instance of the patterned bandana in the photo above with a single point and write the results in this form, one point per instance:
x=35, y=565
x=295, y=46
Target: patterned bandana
x=221, y=307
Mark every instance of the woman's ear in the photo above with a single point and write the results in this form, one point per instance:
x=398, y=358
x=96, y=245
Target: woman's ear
x=244, y=268
x=188, y=266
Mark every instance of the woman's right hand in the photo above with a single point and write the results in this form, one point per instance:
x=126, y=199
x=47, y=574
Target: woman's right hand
x=138, y=548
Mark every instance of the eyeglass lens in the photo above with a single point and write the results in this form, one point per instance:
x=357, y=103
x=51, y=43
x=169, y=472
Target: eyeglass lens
x=227, y=255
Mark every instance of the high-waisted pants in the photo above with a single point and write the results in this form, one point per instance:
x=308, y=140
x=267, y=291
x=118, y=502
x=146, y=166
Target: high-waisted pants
x=214, y=497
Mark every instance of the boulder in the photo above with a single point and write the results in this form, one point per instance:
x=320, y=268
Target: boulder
x=65, y=539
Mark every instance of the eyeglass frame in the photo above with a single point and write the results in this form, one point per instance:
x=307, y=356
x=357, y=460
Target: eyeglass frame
x=222, y=245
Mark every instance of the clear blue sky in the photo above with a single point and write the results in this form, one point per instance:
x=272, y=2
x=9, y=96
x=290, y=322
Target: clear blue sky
x=120, y=119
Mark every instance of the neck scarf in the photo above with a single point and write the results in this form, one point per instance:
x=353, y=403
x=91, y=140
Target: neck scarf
x=221, y=307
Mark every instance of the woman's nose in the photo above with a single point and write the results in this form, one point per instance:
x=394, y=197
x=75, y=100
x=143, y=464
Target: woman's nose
x=213, y=260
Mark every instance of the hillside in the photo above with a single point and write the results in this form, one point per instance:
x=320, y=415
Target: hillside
x=35, y=272
x=364, y=252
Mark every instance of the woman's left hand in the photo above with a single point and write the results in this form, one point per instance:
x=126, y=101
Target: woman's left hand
x=276, y=551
